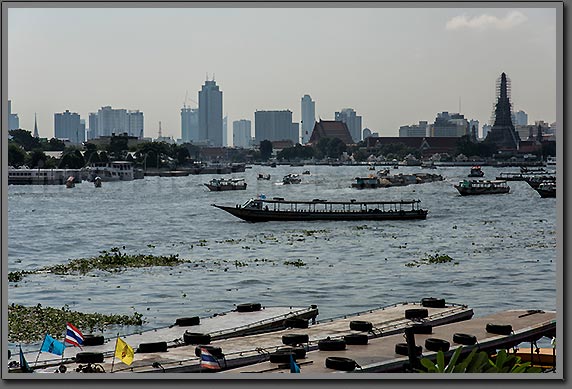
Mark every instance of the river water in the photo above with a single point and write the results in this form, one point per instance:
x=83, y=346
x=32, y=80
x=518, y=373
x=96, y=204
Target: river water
x=503, y=246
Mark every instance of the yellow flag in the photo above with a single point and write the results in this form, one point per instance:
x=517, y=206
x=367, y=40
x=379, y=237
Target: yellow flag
x=124, y=351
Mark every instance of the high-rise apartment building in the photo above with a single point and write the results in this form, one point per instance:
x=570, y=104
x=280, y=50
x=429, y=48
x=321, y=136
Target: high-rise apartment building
x=521, y=118
x=308, y=117
x=241, y=133
x=352, y=120
x=415, y=130
x=108, y=121
x=274, y=126
x=449, y=125
x=225, y=131
x=189, y=124
x=13, y=120
x=210, y=114
x=67, y=125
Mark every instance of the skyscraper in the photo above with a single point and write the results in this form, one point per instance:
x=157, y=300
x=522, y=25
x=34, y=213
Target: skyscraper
x=108, y=121
x=274, y=126
x=210, y=113
x=521, y=118
x=241, y=133
x=67, y=125
x=308, y=117
x=189, y=124
x=352, y=120
x=13, y=120
x=225, y=131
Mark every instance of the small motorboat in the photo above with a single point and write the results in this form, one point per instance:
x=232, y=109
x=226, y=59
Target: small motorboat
x=70, y=182
x=97, y=182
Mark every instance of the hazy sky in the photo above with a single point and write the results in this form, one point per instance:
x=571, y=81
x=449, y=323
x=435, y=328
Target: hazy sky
x=393, y=66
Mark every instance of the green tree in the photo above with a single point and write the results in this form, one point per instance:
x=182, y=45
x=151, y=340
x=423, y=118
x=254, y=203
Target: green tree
x=25, y=139
x=54, y=144
x=265, y=150
x=330, y=147
x=37, y=159
x=117, y=148
x=16, y=155
x=72, y=159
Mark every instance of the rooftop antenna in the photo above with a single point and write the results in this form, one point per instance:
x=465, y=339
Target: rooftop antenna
x=160, y=132
x=459, y=104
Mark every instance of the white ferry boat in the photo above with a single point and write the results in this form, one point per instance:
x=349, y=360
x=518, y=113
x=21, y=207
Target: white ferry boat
x=110, y=171
x=25, y=176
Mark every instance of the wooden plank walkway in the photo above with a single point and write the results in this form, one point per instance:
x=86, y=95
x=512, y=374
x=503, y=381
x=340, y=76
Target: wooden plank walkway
x=240, y=351
x=379, y=354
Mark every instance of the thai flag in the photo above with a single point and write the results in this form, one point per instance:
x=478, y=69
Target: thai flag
x=73, y=335
x=208, y=361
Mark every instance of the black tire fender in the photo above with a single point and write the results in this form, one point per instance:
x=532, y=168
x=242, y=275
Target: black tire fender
x=292, y=339
x=356, y=339
x=402, y=349
x=196, y=338
x=499, y=329
x=299, y=352
x=248, y=307
x=432, y=302
x=359, y=325
x=213, y=350
x=340, y=363
x=282, y=356
x=93, y=340
x=187, y=321
x=422, y=328
x=295, y=322
x=464, y=339
x=89, y=357
x=153, y=347
x=435, y=344
x=416, y=313
x=332, y=345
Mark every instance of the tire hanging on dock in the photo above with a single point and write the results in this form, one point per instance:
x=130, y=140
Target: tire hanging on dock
x=282, y=356
x=93, y=340
x=432, y=302
x=402, y=349
x=464, y=339
x=356, y=339
x=332, y=345
x=187, y=321
x=416, y=313
x=340, y=363
x=499, y=329
x=359, y=325
x=248, y=307
x=154, y=347
x=89, y=357
x=293, y=339
x=300, y=352
x=196, y=338
x=435, y=344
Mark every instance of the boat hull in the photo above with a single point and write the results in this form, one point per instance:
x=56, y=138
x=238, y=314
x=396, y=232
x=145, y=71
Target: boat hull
x=481, y=191
x=270, y=215
x=222, y=188
x=546, y=193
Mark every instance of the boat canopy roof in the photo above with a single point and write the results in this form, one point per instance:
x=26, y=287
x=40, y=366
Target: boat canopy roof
x=320, y=201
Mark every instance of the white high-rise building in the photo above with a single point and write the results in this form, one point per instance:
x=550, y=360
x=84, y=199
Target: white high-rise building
x=241, y=133
x=135, y=123
x=521, y=118
x=67, y=125
x=108, y=121
x=415, y=130
x=189, y=124
x=13, y=120
x=352, y=120
x=210, y=114
x=308, y=117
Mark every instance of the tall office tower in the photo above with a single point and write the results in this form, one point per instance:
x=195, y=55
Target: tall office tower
x=83, y=129
x=67, y=125
x=135, y=123
x=13, y=120
x=415, y=130
x=503, y=133
x=449, y=125
x=308, y=117
x=352, y=120
x=241, y=133
x=274, y=125
x=225, y=131
x=521, y=118
x=189, y=124
x=474, y=123
x=93, y=126
x=210, y=113
x=111, y=121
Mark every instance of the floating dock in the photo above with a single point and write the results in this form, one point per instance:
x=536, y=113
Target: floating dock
x=379, y=354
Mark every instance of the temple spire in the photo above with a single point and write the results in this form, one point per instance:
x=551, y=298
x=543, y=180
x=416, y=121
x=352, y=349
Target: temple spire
x=36, y=134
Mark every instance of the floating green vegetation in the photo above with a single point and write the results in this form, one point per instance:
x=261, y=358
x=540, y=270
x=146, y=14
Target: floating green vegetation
x=240, y=264
x=313, y=232
x=432, y=259
x=297, y=263
x=30, y=324
x=364, y=227
x=111, y=261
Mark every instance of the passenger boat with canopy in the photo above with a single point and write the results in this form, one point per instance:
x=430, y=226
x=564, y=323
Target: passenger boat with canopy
x=479, y=187
x=278, y=209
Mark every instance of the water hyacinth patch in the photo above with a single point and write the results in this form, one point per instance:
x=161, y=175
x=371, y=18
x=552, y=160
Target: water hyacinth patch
x=432, y=259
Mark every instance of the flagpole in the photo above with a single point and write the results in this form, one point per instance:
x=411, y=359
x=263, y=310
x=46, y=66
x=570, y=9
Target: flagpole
x=64, y=343
x=39, y=352
x=113, y=360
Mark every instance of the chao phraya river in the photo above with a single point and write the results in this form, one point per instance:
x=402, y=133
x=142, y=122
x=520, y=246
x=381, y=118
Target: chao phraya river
x=503, y=246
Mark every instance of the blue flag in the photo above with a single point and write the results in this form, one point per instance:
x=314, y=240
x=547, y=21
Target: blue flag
x=53, y=346
x=23, y=363
x=294, y=368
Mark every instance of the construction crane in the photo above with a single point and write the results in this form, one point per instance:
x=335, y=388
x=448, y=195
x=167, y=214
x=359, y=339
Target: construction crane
x=186, y=99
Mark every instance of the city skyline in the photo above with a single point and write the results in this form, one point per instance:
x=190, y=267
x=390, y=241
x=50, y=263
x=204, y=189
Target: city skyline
x=397, y=66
